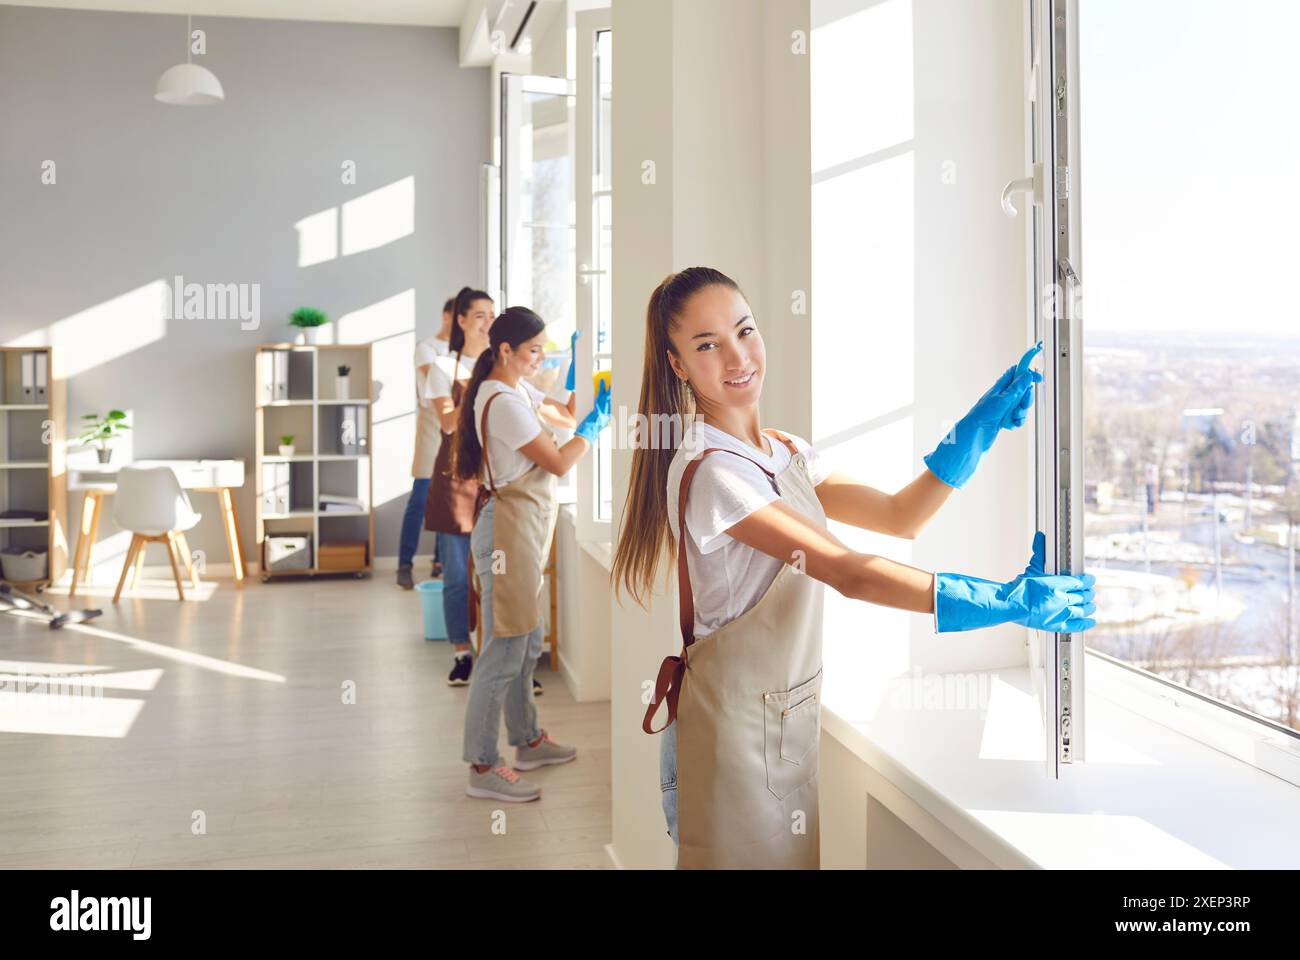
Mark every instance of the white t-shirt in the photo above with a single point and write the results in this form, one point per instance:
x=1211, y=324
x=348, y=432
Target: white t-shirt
x=441, y=371
x=426, y=351
x=512, y=422
x=727, y=577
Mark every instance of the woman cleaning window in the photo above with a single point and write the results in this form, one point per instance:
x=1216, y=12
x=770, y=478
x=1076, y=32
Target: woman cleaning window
x=503, y=438
x=739, y=765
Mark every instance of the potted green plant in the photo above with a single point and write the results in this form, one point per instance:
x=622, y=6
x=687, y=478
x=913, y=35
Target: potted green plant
x=307, y=319
x=102, y=430
x=341, y=381
x=286, y=445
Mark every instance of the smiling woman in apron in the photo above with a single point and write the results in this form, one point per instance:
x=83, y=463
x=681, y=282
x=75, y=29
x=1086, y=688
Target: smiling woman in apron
x=426, y=451
x=739, y=763
x=504, y=439
x=449, y=509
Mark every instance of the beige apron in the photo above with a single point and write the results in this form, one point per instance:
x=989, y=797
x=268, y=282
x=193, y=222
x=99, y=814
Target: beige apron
x=523, y=524
x=427, y=434
x=748, y=697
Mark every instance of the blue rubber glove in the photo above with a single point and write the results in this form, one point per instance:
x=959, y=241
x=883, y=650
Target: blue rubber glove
x=1004, y=406
x=598, y=419
x=1059, y=603
x=573, y=360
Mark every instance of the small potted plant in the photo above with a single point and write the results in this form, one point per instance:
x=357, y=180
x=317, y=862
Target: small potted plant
x=307, y=319
x=341, y=381
x=102, y=430
x=286, y=445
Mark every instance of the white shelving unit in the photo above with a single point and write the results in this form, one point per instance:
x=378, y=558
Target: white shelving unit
x=33, y=464
x=311, y=412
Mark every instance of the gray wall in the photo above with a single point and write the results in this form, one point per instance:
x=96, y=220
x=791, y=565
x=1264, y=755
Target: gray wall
x=147, y=191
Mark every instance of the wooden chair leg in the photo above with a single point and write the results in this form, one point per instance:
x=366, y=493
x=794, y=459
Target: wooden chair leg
x=127, y=564
x=81, y=558
x=190, y=568
x=176, y=570
x=139, y=563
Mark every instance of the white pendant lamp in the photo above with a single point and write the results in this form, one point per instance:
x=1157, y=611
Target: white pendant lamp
x=187, y=84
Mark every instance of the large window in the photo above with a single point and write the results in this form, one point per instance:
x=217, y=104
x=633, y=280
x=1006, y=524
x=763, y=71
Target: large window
x=1168, y=442
x=538, y=231
x=1191, y=384
x=594, y=202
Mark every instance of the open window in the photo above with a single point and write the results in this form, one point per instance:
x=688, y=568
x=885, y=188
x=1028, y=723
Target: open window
x=1052, y=136
x=1169, y=420
x=594, y=202
x=537, y=228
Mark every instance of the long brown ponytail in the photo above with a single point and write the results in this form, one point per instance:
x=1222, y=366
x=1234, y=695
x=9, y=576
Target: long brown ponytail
x=460, y=305
x=644, y=534
x=516, y=325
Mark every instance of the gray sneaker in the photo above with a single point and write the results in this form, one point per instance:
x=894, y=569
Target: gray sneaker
x=546, y=751
x=404, y=579
x=501, y=783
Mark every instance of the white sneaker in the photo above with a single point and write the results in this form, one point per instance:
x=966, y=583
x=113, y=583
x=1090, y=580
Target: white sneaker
x=546, y=751
x=501, y=783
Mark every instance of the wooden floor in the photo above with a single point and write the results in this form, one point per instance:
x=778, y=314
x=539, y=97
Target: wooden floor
x=228, y=714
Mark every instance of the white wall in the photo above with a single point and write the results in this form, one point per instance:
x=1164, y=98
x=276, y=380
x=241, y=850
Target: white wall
x=227, y=194
x=920, y=302
x=712, y=94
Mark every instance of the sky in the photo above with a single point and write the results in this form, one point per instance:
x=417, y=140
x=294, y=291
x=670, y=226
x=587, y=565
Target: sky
x=1190, y=157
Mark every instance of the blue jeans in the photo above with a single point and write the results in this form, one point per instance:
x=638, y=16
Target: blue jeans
x=413, y=521
x=668, y=777
x=454, y=550
x=503, y=670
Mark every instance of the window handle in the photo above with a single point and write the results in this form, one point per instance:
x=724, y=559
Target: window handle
x=585, y=273
x=1032, y=185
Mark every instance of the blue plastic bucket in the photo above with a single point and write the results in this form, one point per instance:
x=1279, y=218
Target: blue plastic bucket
x=435, y=624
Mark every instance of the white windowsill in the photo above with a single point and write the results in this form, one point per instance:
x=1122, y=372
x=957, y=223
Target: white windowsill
x=599, y=550
x=1148, y=797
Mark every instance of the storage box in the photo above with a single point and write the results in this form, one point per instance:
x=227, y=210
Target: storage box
x=290, y=551
x=342, y=555
x=24, y=563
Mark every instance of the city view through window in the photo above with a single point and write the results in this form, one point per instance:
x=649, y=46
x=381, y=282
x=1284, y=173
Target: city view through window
x=1191, y=392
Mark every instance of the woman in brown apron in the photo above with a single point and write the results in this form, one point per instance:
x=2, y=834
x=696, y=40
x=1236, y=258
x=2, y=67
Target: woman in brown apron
x=504, y=438
x=449, y=509
x=739, y=768
x=426, y=450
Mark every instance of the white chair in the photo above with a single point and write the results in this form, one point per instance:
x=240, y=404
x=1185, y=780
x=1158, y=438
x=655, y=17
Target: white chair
x=151, y=503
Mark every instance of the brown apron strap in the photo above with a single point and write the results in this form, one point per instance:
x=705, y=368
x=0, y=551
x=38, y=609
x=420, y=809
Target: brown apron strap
x=671, y=670
x=483, y=445
x=789, y=444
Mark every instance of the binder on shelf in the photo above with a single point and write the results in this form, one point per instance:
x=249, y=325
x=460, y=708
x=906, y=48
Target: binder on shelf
x=282, y=487
x=353, y=436
x=281, y=375
x=29, y=377
x=275, y=488
x=42, y=377
x=266, y=374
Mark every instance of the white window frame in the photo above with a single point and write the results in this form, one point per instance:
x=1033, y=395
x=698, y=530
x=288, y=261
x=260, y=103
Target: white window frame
x=586, y=189
x=514, y=226
x=1059, y=510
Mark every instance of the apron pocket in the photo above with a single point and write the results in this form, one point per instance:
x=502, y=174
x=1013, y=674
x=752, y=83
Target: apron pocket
x=791, y=728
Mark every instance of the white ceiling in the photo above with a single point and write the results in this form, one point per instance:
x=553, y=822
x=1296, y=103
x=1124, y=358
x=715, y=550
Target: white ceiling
x=428, y=13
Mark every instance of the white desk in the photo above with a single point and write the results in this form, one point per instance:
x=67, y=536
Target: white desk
x=99, y=481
